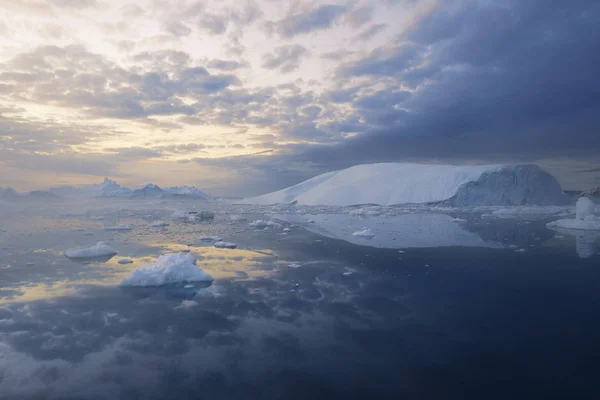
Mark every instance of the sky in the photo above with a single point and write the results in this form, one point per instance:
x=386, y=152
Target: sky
x=241, y=98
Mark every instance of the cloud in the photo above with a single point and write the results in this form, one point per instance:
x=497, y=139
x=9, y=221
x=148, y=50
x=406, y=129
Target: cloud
x=321, y=17
x=285, y=58
x=371, y=32
x=225, y=65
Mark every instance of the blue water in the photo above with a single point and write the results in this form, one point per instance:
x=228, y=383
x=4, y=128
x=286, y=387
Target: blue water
x=352, y=321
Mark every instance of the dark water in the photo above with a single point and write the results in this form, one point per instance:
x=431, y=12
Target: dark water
x=350, y=322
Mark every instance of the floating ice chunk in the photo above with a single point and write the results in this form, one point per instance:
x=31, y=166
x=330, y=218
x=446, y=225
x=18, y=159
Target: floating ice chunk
x=98, y=250
x=168, y=268
x=584, y=208
x=211, y=238
x=287, y=230
x=158, y=224
x=590, y=223
x=347, y=273
x=262, y=224
x=118, y=228
x=211, y=291
x=186, y=304
x=458, y=220
x=520, y=250
x=125, y=261
x=365, y=233
x=294, y=266
x=237, y=218
x=204, y=214
x=225, y=245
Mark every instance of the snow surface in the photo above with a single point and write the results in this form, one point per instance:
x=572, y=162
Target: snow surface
x=97, y=250
x=393, y=232
x=404, y=183
x=225, y=245
x=168, y=268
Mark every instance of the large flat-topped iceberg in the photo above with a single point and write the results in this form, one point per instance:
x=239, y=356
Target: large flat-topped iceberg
x=403, y=183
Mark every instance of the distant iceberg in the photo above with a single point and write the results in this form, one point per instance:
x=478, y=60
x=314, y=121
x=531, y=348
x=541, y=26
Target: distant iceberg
x=584, y=220
x=168, y=269
x=98, y=250
x=402, y=183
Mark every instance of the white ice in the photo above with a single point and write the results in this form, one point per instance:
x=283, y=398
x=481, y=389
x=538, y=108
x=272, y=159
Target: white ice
x=210, y=238
x=364, y=232
x=584, y=217
x=225, y=245
x=404, y=183
x=168, y=268
x=262, y=224
x=97, y=250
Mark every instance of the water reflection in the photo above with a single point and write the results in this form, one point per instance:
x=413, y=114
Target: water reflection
x=587, y=243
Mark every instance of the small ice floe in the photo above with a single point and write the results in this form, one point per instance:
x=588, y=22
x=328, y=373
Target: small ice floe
x=118, y=228
x=225, y=245
x=188, y=286
x=311, y=221
x=294, y=265
x=98, y=250
x=348, y=273
x=125, y=261
x=262, y=224
x=168, y=268
x=364, y=233
x=520, y=250
x=186, y=304
x=210, y=238
x=30, y=264
x=204, y=214
x=159, y=224
x=513, y=247
x=585, y=219
x=459, y=220
x=237, y=218
x=287, y=230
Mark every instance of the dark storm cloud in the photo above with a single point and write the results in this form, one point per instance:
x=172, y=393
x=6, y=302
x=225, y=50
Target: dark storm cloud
x=491, y=79
x=285, y=58
x=318, y=18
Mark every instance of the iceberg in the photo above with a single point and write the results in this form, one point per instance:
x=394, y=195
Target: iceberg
x=404, y=183
x=584, y=220
x=98, y=250
x=168, y=269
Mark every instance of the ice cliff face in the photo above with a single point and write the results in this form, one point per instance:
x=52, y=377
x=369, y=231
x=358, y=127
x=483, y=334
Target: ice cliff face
x=512, y=185
x=403, y=183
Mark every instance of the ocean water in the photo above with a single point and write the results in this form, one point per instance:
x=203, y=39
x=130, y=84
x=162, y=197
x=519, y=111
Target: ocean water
x=429, y=308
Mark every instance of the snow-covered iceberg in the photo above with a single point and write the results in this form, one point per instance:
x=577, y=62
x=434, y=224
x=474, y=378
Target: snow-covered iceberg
x=168, y=269
x=403, y=183
x=98, y=250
